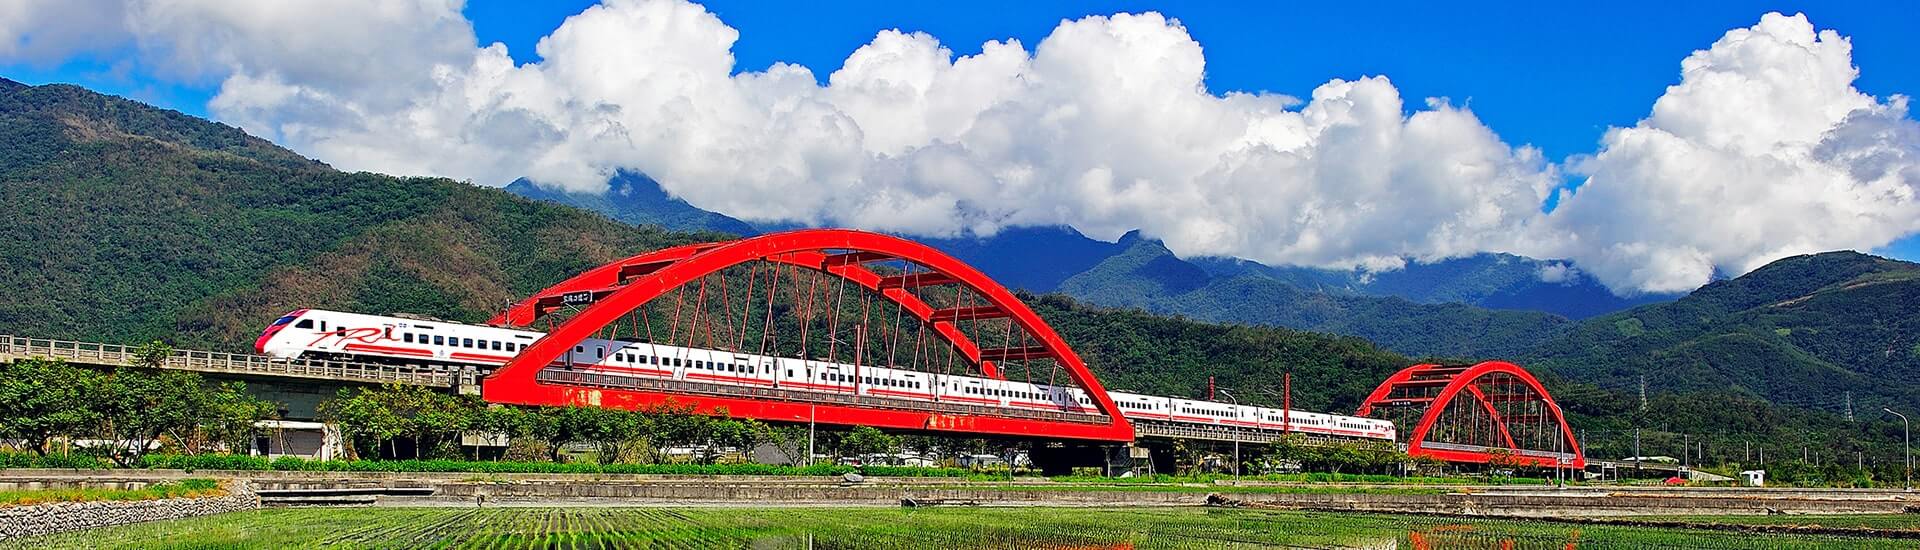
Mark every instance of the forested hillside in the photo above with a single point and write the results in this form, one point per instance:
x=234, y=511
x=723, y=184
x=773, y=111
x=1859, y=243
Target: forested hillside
x=124, y=222
x=1804, y=330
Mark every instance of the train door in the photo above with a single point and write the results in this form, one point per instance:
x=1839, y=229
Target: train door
x=745, y=369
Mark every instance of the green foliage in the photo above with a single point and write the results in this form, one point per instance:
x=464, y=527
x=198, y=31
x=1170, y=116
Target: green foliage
x=44, y=398
x=185, y=488
x=136, y=407
x=1131, y=350
x=295, y=464
x=864, y=440
x=152, y=354
x=372, y=417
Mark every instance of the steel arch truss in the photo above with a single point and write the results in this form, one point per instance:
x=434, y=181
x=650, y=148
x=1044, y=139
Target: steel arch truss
x=1489, y=413
x=888, y=267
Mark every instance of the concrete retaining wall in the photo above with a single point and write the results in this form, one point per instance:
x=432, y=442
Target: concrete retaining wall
x=42, y=519
x=1575, y=505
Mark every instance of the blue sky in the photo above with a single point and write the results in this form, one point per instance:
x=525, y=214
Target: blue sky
x=1551, y=75
x=1582, y=67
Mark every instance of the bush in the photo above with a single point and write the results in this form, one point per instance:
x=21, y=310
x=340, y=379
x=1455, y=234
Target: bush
x=295, y=464
x=9, y=459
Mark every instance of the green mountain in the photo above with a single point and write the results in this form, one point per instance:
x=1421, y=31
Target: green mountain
x=636, y=199
x=1150, y=277
x=1803, y=330
x=125, y=222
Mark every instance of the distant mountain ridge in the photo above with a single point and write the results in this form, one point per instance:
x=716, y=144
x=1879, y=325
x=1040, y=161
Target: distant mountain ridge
x=1802, y=330
x=636, y=199
x=1150, y=277
x=1040, y=259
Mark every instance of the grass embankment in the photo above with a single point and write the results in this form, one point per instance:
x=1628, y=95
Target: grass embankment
x=1139, y=528
x=185, y=488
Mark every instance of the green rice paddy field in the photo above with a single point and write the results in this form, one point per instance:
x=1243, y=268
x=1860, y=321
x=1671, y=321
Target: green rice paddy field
x=826, y=528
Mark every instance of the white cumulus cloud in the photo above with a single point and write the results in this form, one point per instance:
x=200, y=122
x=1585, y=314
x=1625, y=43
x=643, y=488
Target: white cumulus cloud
x=1763, y=149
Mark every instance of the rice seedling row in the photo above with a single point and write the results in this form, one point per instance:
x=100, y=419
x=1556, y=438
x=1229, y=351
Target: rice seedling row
x=1059, y=528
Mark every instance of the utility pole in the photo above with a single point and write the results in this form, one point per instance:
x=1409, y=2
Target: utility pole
x=1686, y=451
x=1643, y=394
x=1286, y=402
x=1849, y=405
x=809, y=435
x=1236, y=435
x=1906, y=443
x=1636, y=448
x=1747, y=457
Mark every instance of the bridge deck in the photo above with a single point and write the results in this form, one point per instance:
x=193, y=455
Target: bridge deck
x=14, y=348
x=562, y=376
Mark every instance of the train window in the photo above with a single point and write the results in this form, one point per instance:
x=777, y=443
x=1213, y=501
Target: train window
x=323, y=326
x=304, y=324
x=466, y=342
x=439, y=340
x=408, y=337
x=496, y=345
x=599, y=352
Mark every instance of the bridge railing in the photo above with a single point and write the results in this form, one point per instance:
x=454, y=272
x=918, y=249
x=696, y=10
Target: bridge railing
x=1563, y=457
x=94, y=353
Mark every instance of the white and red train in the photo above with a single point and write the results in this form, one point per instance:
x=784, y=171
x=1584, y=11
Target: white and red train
x=314, y=333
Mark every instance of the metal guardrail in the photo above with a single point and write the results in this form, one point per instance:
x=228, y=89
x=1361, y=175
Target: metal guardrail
x=562, y=376
x=14, y=348
x=1151, y=428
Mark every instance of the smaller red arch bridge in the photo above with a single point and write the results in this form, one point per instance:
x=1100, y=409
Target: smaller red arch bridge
x=831, y=298
x=1488, y=413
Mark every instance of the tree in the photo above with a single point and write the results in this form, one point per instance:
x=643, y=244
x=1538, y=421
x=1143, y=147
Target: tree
x=865, y=440
x=559, y=426
x=232, y=416
x=792, y=442
x=743, y=435
x=137, y=408
x=41, y=399
x=613, y=432
x=152, y=354
x=384, y=414
x=669, y=425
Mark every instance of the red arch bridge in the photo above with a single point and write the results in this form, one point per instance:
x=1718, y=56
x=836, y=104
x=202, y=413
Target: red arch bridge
x=857, y=306
x=882, y=304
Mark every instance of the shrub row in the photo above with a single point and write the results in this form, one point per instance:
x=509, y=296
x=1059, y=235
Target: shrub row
x=296, y=464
